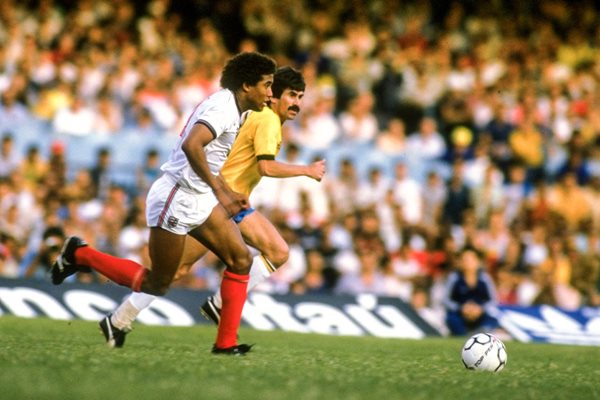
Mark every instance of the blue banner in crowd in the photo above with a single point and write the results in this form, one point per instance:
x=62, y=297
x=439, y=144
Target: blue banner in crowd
x=552, y=325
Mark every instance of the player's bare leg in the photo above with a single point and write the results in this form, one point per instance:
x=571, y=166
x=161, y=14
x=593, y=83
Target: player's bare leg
x=192, y=252
x=259, y=233
x=166, y=249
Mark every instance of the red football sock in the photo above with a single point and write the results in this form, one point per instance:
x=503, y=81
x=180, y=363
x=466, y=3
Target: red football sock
x=119, y=270
x=233, y=293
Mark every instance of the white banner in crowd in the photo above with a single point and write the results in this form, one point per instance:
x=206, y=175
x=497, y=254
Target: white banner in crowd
x=550, y=324
x=324, y=314
x=334, y=315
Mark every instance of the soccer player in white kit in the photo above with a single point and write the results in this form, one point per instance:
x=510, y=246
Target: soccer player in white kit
x=252, y=156
x=191, y=198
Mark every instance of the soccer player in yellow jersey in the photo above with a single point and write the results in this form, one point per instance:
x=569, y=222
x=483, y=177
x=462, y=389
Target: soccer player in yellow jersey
x=252, y=156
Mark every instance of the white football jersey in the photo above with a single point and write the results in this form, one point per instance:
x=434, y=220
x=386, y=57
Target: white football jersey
x=220, y=114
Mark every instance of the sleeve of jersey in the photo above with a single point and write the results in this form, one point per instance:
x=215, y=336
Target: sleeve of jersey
x=214, y=120
x=267, y=138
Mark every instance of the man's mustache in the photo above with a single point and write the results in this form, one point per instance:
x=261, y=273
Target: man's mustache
x=294, y=108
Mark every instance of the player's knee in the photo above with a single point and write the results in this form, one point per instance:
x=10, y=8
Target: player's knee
x=245, y=262
x=278, y=255
x=240, y=262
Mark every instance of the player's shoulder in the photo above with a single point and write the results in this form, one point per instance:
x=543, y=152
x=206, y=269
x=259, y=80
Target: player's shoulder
x=222, y=96
x=222, y=100
x=266, y=115
x=219, y=109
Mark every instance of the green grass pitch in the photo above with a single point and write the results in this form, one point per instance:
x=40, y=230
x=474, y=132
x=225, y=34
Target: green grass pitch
x=50, y=359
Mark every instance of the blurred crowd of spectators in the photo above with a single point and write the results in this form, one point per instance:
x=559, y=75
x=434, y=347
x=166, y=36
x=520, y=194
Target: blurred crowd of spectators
x=464, y=123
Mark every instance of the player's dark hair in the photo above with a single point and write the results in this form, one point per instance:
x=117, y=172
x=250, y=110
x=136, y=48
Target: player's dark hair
x=248, y=68
x=287, y=78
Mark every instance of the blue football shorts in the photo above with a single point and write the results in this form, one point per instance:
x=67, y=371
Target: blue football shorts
x=237, y=218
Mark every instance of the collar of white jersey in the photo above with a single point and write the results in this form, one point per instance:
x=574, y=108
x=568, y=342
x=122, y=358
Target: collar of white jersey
x=244, y=117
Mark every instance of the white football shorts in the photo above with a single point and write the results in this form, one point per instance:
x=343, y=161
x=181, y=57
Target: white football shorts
x=175, y=208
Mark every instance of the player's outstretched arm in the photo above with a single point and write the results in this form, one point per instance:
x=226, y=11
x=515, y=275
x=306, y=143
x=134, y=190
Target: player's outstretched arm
x=276, y=169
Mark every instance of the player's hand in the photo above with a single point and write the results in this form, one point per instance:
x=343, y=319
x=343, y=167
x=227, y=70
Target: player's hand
x=233, y=202
x=317, y=170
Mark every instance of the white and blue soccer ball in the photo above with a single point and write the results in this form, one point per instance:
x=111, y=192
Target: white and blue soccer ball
x=484, y=352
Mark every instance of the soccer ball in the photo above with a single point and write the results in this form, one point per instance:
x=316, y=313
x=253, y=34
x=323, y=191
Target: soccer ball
x=484, y=352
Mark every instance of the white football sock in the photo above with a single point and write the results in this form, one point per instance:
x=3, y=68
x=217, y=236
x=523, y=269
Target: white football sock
x=128, y=311
x=260, y=271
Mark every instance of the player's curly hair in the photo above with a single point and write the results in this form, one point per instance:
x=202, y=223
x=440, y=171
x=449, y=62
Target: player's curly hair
x=287, y=78
x=248, y=68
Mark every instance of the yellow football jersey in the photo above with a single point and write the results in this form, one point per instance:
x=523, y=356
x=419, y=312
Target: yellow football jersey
x=259, y=138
